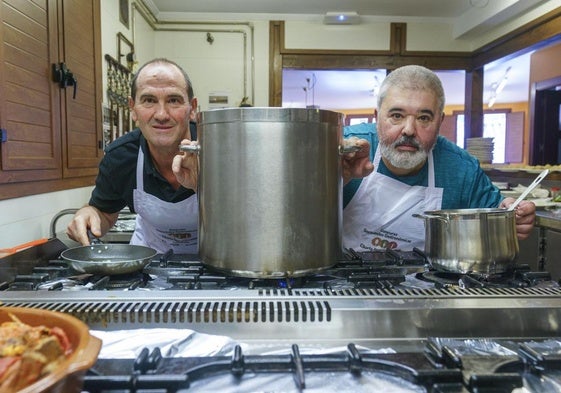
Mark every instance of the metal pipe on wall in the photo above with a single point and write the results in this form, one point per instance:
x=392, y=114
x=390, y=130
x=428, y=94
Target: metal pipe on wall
x=156, y=25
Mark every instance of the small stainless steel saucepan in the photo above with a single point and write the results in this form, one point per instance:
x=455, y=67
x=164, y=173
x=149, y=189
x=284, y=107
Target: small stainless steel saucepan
x=109, y=259
x=471, y=240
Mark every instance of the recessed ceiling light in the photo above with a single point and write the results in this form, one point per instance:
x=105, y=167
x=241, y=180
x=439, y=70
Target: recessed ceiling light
x=341, y=18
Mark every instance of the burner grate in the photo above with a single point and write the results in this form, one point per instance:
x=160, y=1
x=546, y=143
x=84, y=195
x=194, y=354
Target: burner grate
x=150, y=370
x=383, y=272
x=518, y=277
x=447, y=365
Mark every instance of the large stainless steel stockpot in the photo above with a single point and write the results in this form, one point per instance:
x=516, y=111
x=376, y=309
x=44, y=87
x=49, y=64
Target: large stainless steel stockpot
x=270, y=190
x=471, y=240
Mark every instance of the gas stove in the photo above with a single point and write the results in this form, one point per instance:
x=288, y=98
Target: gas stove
x=187, y=272
x=378, y=270
x=374, y=301
x=368, y=296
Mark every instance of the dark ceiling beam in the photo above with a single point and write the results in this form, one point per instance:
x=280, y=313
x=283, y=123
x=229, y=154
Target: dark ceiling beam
x=533, y=35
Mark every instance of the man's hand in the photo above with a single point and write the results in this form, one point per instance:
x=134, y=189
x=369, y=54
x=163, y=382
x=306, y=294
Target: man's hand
x=356, y=164
x=90, y=218
x=525, y=216
x=185, y=167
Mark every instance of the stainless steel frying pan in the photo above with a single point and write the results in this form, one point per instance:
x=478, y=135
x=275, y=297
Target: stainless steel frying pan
x=108, y=258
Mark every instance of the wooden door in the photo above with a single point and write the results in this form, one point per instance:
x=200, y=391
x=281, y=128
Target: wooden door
x=51, y=139
x=546, y=135
x=82, y=113
x=32, y=147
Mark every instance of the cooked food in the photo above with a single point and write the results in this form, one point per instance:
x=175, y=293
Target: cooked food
x=28, y=353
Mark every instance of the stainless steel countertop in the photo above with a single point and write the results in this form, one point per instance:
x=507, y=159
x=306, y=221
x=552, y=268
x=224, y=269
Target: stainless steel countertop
x=550, y=219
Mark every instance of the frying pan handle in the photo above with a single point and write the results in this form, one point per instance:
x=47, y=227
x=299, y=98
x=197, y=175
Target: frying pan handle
x=93, y=238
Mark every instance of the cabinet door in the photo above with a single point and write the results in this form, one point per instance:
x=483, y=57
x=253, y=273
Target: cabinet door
x=28, y=98
x=82, y=147
x=53, y=139
x=530, y=250
x=553, y=253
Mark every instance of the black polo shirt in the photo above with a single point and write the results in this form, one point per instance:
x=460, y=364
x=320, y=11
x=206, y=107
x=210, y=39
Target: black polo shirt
x=116, y=179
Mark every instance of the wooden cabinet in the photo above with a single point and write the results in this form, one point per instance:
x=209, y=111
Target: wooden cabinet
x=51, y=139
x=530, y=250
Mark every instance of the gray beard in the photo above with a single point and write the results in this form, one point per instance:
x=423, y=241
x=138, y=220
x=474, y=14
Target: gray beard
x=404, y=160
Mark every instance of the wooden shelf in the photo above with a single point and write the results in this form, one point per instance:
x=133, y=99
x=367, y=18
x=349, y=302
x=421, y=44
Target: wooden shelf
x=521, y=173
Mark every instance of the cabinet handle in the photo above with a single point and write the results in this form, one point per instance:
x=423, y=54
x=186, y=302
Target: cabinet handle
x=64, y=77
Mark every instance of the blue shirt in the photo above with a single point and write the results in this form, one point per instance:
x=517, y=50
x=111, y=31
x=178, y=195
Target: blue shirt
x=464, y=183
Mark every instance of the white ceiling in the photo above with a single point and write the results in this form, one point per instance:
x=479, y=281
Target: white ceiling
x=353, y=89
x=454, y=9
x=439, y=8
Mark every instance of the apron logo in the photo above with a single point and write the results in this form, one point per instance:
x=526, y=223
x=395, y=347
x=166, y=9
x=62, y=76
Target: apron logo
x=181, y=236
x=383, y=243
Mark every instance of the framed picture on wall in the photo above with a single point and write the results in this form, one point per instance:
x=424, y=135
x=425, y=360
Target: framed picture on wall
x=124, y=12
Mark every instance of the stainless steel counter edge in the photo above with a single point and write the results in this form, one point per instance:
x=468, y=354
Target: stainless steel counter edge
x=550, y=219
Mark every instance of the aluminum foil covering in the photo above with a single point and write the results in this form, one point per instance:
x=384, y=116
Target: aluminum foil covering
x=477, y=346
x=550, y=380
x=127, y=344
x=546, y=382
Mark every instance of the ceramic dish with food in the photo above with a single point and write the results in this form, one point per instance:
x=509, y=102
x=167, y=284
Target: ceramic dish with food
x=58, y=350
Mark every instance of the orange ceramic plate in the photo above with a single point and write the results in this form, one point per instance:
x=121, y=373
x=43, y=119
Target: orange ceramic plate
x=69, y=375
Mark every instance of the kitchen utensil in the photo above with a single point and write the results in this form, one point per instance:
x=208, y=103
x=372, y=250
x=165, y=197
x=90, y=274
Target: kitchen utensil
x=68, y=375
x=108, y=258
x=533, y=185
x=471, y=240
x=8, y=251
x=270, y=190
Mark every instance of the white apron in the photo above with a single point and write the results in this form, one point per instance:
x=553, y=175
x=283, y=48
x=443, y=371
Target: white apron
x=379, y=215
x=163, y=225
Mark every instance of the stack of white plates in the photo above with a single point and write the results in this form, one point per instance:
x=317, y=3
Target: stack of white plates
x=481, y=148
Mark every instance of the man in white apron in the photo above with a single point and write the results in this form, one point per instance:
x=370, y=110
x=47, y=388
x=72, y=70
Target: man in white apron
x=136, y=170
x=415, y=169
x=389, y=225
x=164, y=225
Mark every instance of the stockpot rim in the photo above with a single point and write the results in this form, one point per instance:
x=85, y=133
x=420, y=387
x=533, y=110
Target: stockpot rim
x=464, y=213
x=269, y=114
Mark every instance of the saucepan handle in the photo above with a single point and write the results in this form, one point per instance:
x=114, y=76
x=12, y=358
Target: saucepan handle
x=190, y=148
x=430, y=216
x=348, y=149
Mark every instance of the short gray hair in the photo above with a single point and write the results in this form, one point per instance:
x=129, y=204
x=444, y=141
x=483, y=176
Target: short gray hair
x=413, y=77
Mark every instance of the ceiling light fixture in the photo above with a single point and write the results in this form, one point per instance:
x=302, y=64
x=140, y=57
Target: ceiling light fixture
x=497, y=88
x=341, y=18
x=376, y=87
x=310, y=86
